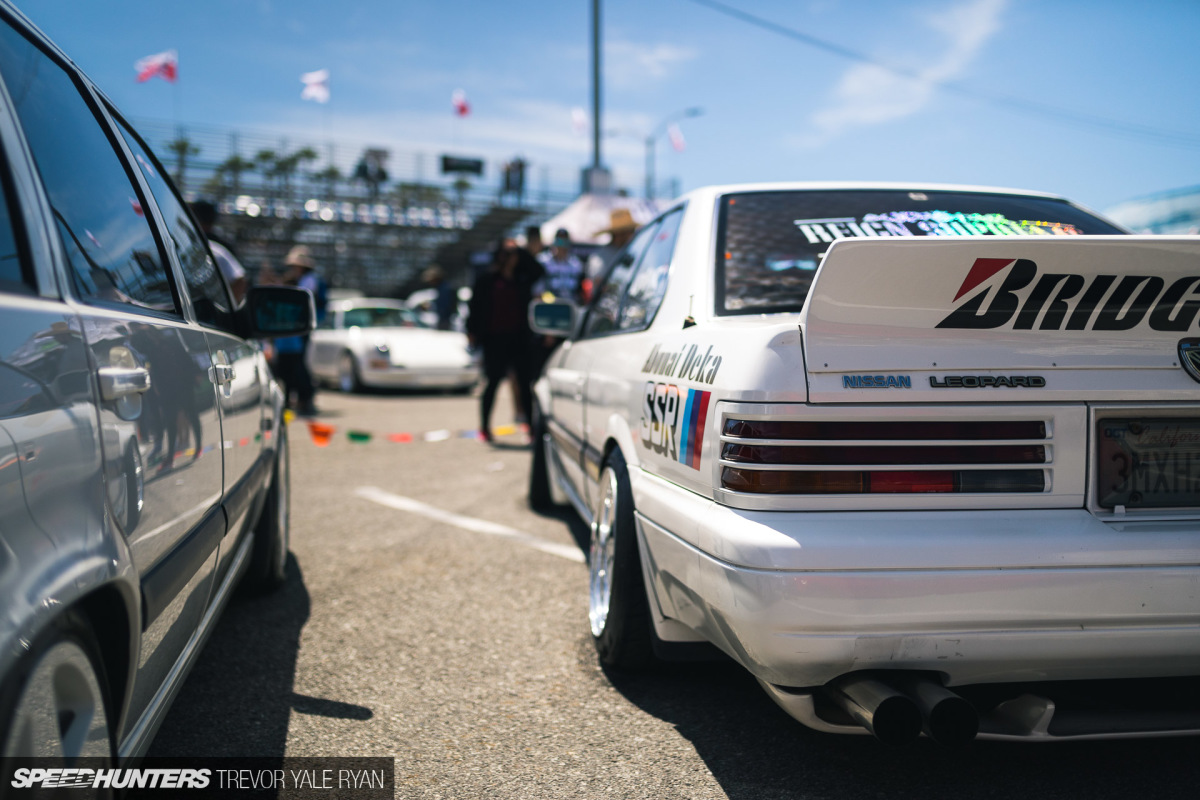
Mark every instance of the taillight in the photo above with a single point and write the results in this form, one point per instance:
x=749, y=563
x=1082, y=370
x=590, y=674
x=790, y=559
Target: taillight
x=842, y=457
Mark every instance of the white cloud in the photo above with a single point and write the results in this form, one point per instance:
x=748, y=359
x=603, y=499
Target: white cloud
x=870, y=95
x=630, y=64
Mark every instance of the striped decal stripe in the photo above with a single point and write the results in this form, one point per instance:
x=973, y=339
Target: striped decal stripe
x=689, y=410
x=691, y=433
x=696, y=429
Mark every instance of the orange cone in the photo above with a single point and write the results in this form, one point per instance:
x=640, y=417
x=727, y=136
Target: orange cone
x=321, y=433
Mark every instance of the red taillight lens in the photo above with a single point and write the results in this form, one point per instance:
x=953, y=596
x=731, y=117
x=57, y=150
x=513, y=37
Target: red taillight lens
x=885, y=431
x=883, y=481
x=866, y=455
x=912, y=482
x=761, y=482
x=815, y=457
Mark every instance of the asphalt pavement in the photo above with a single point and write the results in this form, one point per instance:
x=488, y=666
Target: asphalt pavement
x=430, y=616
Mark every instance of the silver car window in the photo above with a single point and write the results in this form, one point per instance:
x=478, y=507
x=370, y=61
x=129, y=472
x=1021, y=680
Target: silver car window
x=209, y=296
x=112, y=252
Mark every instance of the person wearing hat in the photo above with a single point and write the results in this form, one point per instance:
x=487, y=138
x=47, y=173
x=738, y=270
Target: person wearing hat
x=620, y=229
x=300, y=270
x=563, y=278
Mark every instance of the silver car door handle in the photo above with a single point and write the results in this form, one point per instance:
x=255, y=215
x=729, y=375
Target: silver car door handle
x=221, y=374
x=118, y=382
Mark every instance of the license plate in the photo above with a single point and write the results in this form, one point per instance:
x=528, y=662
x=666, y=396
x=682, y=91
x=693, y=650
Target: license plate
x=1148, y=462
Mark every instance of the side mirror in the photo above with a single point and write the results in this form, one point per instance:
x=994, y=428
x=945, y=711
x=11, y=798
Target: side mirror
x=279, y=311
x=552, y=319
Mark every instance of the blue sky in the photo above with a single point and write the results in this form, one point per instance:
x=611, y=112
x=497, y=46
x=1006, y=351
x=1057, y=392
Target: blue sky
x=774, y=108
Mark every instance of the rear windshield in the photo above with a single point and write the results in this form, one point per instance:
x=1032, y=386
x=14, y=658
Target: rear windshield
x=769, y=243
x=381, y=318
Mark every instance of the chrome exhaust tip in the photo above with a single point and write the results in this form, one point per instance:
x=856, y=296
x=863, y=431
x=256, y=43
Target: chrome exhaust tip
x=948, y=719
x=891, y=716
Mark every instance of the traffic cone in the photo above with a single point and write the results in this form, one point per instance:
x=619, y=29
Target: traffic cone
x=321, y=433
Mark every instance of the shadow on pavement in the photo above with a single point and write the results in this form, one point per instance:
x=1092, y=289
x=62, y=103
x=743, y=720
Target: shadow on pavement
x=238, y=698
x=580, y=532
x=756, y=752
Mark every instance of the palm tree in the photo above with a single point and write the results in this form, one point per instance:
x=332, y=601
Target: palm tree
x=330, y=177
x=418, y=194
x=304, y=157
x=234, y=166
x=265, y=160
x=461, y=187
x=182, y=148
x=285, y=168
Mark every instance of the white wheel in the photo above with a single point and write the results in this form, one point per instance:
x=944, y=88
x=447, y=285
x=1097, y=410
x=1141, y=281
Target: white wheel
x=348, y=380
x=60, y=711
x=618, y=609
x=602, y=554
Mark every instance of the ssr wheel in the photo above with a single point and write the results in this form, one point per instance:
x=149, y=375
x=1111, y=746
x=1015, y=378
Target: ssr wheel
x=617, y=606
x=348, y=378
x=540, y=496
x=272, y=534
x=55, y=704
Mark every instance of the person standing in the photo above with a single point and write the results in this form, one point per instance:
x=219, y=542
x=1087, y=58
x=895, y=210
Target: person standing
x=445, y=299
x=564, y=270
x=533, y=240
x=498, y=322
x=290, y=363
x=564, y=281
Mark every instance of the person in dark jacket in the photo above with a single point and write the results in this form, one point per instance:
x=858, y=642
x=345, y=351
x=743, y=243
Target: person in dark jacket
x=498, y=323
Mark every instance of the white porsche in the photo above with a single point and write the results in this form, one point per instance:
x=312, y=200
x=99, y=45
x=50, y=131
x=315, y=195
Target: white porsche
x=921, y=458
x=370, y=342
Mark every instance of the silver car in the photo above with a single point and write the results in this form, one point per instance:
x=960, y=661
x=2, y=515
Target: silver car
x=143, y=459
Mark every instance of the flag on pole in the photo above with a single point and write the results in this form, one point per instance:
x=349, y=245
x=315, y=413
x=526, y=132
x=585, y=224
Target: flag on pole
x=459, y=100
x=676, y=137
x=579, y=121
x=164, y=64
x=316, y=86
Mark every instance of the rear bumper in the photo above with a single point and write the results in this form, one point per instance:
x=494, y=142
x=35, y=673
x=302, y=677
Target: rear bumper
x=801, y=598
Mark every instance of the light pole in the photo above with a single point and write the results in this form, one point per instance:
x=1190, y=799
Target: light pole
x=653, y=138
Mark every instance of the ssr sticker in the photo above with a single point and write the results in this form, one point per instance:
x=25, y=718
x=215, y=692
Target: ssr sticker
x=673, y=421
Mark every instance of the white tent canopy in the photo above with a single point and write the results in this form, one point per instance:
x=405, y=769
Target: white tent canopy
x=590, y=214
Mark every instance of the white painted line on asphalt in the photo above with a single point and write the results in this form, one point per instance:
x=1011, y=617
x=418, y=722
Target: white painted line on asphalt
x=399, y=503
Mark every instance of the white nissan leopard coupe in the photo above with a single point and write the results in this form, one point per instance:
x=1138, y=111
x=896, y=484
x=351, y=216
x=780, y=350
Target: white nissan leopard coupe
x=920, y=458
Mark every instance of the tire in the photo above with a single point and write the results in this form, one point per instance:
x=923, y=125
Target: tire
x=618, y=610
x=268, y=560
x=55, y=703
x=540, y=496
x=348, y=379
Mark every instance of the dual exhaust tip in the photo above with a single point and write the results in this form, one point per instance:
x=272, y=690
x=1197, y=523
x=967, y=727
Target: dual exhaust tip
x=896, y=707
